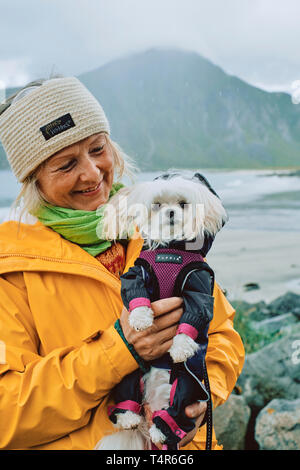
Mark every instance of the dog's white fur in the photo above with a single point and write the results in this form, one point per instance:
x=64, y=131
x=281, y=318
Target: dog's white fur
x=151, y=214
x=141, y=318
x=182, y=348
x=133, y=439
x=128, y=420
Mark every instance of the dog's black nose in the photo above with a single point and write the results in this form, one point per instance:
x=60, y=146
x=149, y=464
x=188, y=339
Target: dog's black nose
x=171, y=216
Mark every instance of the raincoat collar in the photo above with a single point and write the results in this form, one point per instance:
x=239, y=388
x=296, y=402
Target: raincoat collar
x=25, y=247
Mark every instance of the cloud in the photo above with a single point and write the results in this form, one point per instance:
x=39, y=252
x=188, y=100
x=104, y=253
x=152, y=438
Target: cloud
x=17, y=72
x=254, y=39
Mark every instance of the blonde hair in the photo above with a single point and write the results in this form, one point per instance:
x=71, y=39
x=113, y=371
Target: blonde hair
x=29, y=199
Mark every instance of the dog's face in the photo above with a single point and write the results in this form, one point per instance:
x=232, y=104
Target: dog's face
x=167, y=209
x=170, y=215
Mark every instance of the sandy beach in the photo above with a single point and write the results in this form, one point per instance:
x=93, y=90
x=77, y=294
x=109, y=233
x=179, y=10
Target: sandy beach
x=269, y=258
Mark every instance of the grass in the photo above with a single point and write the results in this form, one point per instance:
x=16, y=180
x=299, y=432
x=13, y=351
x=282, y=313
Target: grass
x=253, y=340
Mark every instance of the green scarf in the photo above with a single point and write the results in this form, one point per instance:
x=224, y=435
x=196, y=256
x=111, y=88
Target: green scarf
x=78, y=226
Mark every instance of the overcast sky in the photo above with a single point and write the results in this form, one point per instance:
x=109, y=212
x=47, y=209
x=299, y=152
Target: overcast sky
x=256, y=40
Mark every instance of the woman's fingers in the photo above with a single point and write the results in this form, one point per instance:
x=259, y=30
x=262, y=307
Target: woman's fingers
x=196, y=410
x=162, y=306
x=164, y=335
x=162, y=349
x=156, y=345
x=157, y=339
x=165, y=321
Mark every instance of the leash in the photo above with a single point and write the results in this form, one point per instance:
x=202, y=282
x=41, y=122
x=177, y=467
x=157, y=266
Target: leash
x=209, y=422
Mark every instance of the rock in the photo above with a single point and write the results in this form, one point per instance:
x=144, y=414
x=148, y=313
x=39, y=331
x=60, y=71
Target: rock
x=296, y=312
x=278, y=426
x=286, y=303
x=230, y=422
x=251, y=286
x=259, y=312
x=255, y=312
x=279, y=324
x=272, y=372
x=241, y=304
x=293, y=173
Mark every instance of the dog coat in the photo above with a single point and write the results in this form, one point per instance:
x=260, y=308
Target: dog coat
x=158, y=274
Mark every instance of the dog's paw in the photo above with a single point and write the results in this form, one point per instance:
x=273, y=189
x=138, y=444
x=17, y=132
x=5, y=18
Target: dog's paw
x=156, y=436
x=141, y=318
x=128, y=420
x=183, y=348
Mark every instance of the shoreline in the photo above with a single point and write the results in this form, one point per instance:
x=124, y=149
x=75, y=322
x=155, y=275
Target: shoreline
x=269, y=258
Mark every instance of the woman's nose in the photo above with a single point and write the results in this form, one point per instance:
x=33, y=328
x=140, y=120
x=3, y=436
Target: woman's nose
x=89, y=170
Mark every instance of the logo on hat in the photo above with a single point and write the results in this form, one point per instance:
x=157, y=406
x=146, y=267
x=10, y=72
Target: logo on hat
x=57, y=126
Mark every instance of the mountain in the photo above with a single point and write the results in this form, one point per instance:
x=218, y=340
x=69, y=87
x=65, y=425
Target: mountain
x=170, y=108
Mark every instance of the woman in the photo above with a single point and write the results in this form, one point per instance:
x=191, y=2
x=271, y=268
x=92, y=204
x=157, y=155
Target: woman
x=60, y=287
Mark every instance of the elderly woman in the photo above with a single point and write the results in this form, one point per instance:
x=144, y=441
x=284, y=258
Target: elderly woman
x=60, y=286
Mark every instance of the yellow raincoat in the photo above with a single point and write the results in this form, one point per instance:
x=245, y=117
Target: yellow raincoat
x=60, y=354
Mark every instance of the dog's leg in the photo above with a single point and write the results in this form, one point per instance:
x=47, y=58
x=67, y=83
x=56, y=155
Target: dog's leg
x=133, y=439
x=141, y=318
x=183, y=347
x=157, y=396
x=128, y=420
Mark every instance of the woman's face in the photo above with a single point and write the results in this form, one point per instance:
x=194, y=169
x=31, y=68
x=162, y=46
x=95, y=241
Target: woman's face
x=79, y=176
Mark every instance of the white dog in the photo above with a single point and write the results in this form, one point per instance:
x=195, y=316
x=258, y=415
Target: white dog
x=178, y=218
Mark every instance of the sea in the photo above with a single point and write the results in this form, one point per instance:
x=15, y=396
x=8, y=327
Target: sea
x=254, y=199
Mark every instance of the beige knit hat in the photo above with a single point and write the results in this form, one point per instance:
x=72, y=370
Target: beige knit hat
x=52, y=116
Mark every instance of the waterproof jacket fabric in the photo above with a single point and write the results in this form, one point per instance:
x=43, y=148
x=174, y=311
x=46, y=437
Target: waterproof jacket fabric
x=60, y=353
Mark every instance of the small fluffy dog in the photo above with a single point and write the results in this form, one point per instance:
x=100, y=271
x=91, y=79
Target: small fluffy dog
x=178, y=217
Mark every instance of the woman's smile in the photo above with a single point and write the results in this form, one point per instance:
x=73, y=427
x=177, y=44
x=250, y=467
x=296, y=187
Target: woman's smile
x=90, y=191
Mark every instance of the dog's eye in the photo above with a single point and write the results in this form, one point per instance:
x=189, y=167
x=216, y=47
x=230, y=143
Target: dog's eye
x=156, y=206
x=182, y=204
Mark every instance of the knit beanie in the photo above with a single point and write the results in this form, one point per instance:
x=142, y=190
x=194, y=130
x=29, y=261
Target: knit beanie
x=47, y=119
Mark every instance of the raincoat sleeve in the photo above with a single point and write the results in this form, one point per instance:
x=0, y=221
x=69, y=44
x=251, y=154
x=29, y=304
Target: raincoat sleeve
x=225, y=353
x=45, y=398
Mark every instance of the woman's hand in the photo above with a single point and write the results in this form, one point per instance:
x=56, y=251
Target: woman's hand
x=155, y=341
x=196, y=410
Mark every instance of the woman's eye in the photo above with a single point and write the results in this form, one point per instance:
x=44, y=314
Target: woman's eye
x=97, y=149
x=67, y=166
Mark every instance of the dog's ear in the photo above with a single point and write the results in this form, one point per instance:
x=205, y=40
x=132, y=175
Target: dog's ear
x=220, y=211
x=203, y=180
